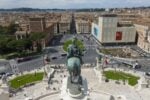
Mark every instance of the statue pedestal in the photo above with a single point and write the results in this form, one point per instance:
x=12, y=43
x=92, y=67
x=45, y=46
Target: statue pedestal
x=4, y=92
x=98, y=73
x=72, y=91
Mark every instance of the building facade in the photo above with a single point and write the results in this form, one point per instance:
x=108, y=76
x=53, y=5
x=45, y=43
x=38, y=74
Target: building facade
x=108, y=30
x=64, y=27
x=143, y=37
x=83, y=26
x=49, y=31
x=37, y=24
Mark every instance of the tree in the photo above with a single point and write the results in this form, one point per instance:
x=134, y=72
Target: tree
x=12, y=28
x=20, y=45
x=28, y=44
x=9, y=30
x=16, y=45
x=3, y=30
x=4, y=40
x=37, y=37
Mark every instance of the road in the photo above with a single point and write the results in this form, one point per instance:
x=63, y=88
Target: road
x=145, y=65
x=89, y=56
x=55, y=50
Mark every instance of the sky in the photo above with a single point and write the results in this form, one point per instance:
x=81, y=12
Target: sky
x=6, y=4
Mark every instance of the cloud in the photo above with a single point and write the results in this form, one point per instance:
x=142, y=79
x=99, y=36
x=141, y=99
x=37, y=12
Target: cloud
x=72, y=3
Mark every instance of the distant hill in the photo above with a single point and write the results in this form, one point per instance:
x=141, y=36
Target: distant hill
x=78, y=10
x=30, y=9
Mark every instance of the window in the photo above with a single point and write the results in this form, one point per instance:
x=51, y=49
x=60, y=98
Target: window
x=118, y=35
x=95, y=31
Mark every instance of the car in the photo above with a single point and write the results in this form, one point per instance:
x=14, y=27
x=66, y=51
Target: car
x=9, y=74
x=29, y=98
x=19, y=60
x=137, y=67
x=53, y=58
x=147, y=73
x=64, y=54
x=24, y=59
x=2, y=73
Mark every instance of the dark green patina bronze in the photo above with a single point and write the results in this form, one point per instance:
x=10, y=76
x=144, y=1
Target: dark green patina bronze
x=74, y=62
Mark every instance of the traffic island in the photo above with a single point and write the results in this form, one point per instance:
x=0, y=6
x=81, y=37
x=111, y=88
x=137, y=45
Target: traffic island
x=121, y=76
x=78, y=43
x=26, y=80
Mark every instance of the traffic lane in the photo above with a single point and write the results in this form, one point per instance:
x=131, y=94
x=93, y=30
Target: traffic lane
x=143, y=68
x=66, y=37
x=39, y=62
x=56, y=40
x=31, y=65
x=90, y=56
x=89, y=42
x=62, y=60
x=145, y=65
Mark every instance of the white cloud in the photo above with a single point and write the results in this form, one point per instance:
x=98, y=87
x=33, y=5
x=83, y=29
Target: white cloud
x=71, y=3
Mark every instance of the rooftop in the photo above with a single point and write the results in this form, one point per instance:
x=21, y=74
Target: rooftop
x=143, y=21
x=82, y=21
x=109, y=15
x=36, y=18
x=124, y=25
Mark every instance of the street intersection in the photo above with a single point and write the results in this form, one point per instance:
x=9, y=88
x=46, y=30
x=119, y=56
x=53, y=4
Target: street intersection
x=55, y=50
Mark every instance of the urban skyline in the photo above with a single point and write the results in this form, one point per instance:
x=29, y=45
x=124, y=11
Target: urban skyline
x=68, y=4
x=74, y=49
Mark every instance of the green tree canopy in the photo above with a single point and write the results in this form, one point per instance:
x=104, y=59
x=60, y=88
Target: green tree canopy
x=4, y=40
x=3, y=30
x=9, y=30
x=12, y=28
x=19, y=45
x=37, y=36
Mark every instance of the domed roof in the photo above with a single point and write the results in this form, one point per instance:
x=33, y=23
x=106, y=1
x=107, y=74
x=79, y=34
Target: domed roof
x=73, y=61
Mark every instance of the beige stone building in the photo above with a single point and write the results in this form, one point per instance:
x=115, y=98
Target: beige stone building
x=49, y=31
x=143, y=31
x=109, y=30
x=64, y=26
x=83, y=26
x=37, y=24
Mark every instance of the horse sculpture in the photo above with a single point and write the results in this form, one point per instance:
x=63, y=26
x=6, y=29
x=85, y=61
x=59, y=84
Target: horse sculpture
x=74, y=62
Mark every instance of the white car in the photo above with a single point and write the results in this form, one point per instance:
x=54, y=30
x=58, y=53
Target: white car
x=147, y=73
x=29, y=98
